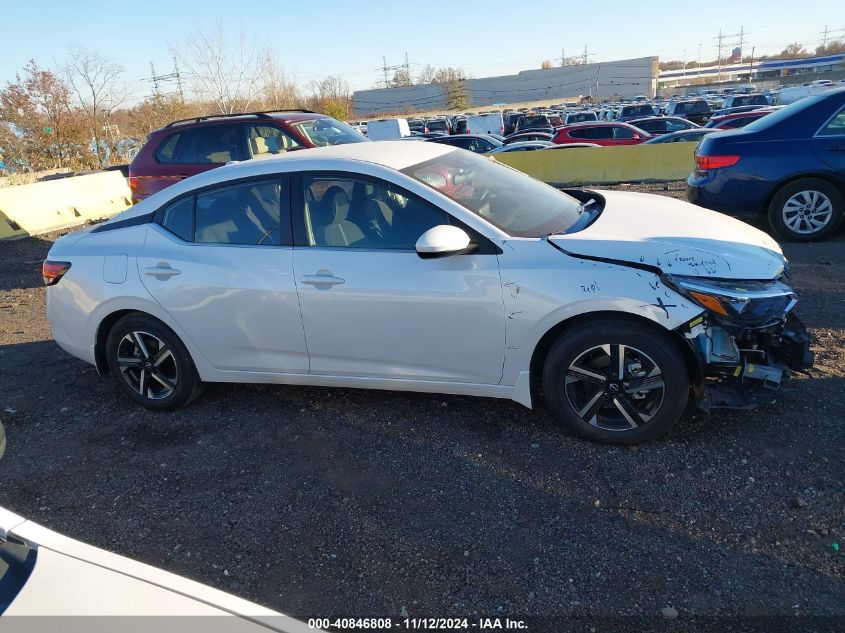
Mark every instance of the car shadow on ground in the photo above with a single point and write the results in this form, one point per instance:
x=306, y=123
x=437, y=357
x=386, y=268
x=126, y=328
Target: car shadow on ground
x=21, y=260
x=352, y=502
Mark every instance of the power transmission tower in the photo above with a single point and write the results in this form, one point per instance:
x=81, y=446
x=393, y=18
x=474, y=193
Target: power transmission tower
x=157, y=80
x=385, y=68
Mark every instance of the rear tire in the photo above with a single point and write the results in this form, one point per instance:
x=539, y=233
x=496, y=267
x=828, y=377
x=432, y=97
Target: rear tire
x=616, y=381
x=806, y=210
x=150, y=364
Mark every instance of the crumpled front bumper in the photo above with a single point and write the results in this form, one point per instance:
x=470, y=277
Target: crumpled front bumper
x=744, y=368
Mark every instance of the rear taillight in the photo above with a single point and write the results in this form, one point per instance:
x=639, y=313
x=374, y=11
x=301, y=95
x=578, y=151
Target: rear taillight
x=133, y=183
x=52, y=272
x=703, y=163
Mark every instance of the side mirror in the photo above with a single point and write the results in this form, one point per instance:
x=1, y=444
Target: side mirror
x=441, y=241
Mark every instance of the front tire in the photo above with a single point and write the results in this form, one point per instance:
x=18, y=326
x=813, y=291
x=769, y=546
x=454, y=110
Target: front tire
x=806, y=210
x=616, y=381
x=150, y=364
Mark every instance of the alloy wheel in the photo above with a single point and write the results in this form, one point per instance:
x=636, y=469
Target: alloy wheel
x=807, y=212
x=614, y=387
x=147, y=365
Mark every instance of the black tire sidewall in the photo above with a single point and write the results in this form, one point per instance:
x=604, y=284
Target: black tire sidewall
x=188, y=383
x=659, y=345
x=775, y=212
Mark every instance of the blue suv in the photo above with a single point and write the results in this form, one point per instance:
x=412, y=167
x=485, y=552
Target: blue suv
x=788, y=165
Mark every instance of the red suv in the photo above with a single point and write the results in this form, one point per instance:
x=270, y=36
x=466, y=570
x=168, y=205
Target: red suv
x=191, y=146
x=600, y=134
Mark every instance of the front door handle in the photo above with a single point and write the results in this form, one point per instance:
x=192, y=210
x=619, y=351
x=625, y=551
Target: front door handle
x=162, y=271
x=322, y=278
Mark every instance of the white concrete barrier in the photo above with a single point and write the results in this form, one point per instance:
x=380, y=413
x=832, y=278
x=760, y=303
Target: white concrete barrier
x=56, y=204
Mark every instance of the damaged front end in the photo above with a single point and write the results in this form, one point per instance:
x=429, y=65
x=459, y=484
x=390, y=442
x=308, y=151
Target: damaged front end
x=748, y=341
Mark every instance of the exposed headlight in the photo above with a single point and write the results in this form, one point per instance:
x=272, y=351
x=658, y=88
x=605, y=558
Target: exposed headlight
x=752, y=303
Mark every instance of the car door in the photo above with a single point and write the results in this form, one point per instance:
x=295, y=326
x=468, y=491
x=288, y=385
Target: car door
x=220, y=263
x=208, y=146
x=829, y=143
x=624, y=136
x=371, y=307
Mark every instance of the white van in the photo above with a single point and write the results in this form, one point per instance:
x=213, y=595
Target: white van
x=485, y=123
x=796, y=93
x=387, y=129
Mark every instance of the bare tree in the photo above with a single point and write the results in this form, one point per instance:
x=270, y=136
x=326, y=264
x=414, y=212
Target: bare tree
x=447, y=74
x=224, y=70
x=793, y=51
x=331, y=87
x=427, y=75
x=95, y=81
x=278, y=91
x=401, y=78
x=546, y=64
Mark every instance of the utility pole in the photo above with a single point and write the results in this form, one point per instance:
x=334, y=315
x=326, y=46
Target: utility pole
x=751, y=69
x=684, y=73
x=598, y=77
x=719, y=40
x=741, y=41
x=384, y=67
x=562, y=57
x=699, y=55
x=585, y=53
x=824, y=37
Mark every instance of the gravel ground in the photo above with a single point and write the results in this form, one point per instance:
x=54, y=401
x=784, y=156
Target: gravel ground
x=331, y=502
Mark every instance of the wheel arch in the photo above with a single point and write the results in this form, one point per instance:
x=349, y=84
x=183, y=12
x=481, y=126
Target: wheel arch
x=107, y=323
x=826, y=176
x=544, y=345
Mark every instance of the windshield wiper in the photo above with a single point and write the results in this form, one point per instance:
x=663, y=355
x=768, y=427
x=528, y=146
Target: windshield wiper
x=582, y=220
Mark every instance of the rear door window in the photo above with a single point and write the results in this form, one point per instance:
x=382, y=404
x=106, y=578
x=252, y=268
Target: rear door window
x=247, y=213
x=836, y=126
x=211, y=144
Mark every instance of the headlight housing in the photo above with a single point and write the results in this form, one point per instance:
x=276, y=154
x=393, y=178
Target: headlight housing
x=749, y=303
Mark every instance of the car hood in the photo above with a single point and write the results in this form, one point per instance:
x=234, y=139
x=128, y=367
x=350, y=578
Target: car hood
x=676, y=237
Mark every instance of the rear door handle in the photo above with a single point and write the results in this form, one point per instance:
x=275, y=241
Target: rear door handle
x=322, y=278
x=162, y=271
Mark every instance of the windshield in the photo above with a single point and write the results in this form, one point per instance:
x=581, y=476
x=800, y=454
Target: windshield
x=644, y=110
x=16, y=564
x=437, y=125
x=506, y=198
x=750, y=100
x=328, y=131
x=534, y=121
x=691, y=107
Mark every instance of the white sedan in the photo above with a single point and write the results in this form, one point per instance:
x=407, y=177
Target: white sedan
x=420, y=267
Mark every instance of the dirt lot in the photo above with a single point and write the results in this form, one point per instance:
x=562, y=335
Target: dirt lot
x=329, y=502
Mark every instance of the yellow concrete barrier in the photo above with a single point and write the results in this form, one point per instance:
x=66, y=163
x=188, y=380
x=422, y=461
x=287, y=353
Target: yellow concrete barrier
x=56, y=204
x=605, y=165
x=9, y=229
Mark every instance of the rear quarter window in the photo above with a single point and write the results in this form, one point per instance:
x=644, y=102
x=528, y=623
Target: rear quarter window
x=166, y=150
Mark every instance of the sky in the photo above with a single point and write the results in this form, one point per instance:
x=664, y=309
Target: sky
x=330, y=37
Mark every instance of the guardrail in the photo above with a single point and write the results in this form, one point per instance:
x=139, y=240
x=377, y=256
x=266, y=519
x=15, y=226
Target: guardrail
x=605, y=165
x=47, y=206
